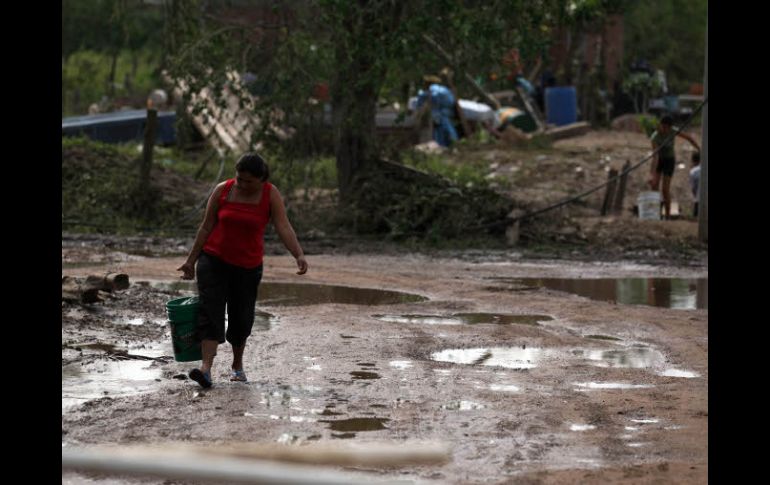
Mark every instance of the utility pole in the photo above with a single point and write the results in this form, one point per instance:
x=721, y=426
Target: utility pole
x=703, y=185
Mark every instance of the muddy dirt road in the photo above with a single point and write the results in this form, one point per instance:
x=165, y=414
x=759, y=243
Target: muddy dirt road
x=527, y=384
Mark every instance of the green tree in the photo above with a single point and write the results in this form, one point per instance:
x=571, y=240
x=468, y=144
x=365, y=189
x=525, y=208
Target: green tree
x=355, y=46
x=670, y=35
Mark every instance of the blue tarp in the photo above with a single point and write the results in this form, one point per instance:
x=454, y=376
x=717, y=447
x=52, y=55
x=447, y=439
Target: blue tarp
x=120, y=126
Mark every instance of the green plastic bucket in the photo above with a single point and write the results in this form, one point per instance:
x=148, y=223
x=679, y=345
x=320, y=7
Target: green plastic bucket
x=183, y=318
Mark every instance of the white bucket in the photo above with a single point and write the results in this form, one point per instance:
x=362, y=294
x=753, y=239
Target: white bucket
x=649, y=205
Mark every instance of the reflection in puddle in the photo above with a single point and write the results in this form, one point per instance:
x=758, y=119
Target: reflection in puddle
x=678, y=373
x=529, y=357
x=610, y=385
x=400, y=364
x=466, y=319
x=509, y=357
x=106, y=378
x=364, y=375
x=581, y=427
x=681, y=293
x=602, y=337
x=504, y=387
x=357, y=424
x=462, y=406
x=631, y=358
x=343, y=436
x=292, y=294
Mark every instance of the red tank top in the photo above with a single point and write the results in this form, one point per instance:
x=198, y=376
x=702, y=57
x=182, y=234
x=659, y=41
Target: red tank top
x=238, y=236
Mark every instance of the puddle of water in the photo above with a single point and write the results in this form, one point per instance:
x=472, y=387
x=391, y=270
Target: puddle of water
x=328, y=412
x=610, y=385
x=602, y=337
x=462, y=406
x=466, y=319
x=293, y=294
x=357, y=375
x=509, y=357
x=357, y=424
x=343, y=436
x=420, y=319
x=678, y=373
x=581, y=427
x=106, y=378
x=400, y=364
x=635, y=358
x=646, y=421
x=504, y=387
x=680, y=293
x=502, y=319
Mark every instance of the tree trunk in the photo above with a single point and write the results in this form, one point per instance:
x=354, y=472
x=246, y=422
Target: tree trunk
x=147, y=148
x=354, y=128
x=356, y=86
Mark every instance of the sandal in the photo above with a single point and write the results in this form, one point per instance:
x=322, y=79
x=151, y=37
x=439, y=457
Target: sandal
x=202, y=378
x=239, y=376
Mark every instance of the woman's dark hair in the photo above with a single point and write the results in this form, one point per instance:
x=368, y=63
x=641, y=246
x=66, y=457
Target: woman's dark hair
x=667, y=120
x=254, y=164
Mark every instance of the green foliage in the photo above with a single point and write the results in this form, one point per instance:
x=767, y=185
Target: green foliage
x=670, y=35
x=641, y=84
x=402, y=204
x=109, y=25
x=85, y=79
x=466, y=174
x=100, y=189
x=648, y=123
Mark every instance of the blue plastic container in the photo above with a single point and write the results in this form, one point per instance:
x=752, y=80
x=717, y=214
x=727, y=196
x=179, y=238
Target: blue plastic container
x=561, y=105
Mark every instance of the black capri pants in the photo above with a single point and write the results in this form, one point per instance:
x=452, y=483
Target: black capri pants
x=666, y=166
x=219, y=285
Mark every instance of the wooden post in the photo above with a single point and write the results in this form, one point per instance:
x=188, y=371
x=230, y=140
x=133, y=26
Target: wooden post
x=703, y=186
x=149, y=142
x=610, y=193
x=621, y=188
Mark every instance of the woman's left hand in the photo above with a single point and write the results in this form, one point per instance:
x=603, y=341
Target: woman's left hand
x=302, y=265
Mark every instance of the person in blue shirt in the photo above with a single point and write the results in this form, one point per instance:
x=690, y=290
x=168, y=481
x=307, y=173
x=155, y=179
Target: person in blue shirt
x=442, y=108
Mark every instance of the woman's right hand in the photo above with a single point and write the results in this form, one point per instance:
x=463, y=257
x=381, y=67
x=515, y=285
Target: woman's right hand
x=188, y=271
